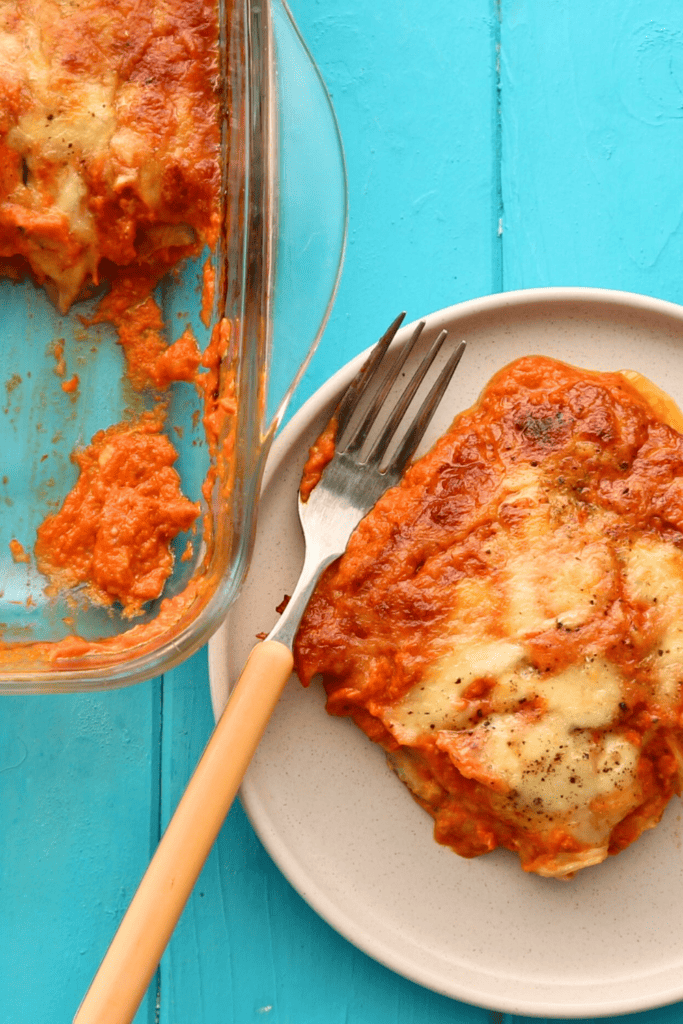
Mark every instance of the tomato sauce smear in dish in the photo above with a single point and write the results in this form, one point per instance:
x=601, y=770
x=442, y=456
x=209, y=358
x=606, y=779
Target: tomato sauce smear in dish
x=113, y=534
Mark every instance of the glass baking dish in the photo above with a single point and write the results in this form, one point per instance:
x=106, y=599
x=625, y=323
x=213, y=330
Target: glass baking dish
x=277, y=266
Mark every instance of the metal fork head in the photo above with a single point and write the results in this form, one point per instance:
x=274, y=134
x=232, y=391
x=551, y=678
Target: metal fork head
x=373, y=385
x=352, y=481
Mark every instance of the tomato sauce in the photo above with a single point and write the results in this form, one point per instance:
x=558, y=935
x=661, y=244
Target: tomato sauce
x=113, y=533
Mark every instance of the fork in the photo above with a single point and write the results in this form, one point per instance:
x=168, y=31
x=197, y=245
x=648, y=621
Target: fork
x=363, y=467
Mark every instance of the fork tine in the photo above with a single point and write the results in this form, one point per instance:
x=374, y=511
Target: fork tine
x=380, y=446
x=363, y=378
x=423, y=417
x=360, y=436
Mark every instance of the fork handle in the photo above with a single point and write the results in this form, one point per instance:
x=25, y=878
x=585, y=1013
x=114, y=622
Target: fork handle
x=136, y=949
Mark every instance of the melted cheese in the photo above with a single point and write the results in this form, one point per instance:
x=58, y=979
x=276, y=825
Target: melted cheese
x=571, y=567
x=63, y=128
x=654, y=576
x=436, y=702
x=104, y=104
x=556, y=570
x=549, y=761
x=549, y=768
x=653, y=573
x=69, y=122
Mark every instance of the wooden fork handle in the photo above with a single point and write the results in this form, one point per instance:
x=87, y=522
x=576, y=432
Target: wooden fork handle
x=136, y=949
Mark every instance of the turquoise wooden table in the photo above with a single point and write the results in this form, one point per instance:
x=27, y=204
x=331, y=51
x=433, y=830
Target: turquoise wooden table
x=491, y=145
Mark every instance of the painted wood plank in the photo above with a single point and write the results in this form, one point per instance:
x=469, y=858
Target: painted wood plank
x=591, y=144
x=79, y=806
x=414, y=89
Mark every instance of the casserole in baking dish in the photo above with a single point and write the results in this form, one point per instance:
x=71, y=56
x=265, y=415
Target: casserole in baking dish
x=152, y=234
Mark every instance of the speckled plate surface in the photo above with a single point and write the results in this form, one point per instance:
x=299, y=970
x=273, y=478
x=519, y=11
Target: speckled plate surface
x=347, y=834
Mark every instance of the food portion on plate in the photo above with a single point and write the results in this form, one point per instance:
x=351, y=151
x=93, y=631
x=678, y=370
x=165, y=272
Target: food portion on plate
x=110, y=178
x=507, y=621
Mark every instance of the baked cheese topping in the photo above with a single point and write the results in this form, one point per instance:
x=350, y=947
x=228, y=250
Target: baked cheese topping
x=508, y=622
x=108, y=135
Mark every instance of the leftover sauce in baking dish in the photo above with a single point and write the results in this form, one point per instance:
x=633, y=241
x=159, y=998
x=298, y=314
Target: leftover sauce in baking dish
x=110, y=174
x=508, y=621
x=113, y=533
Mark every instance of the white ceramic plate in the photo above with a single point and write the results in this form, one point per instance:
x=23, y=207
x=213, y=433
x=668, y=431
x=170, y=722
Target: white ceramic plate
x=345, y=831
